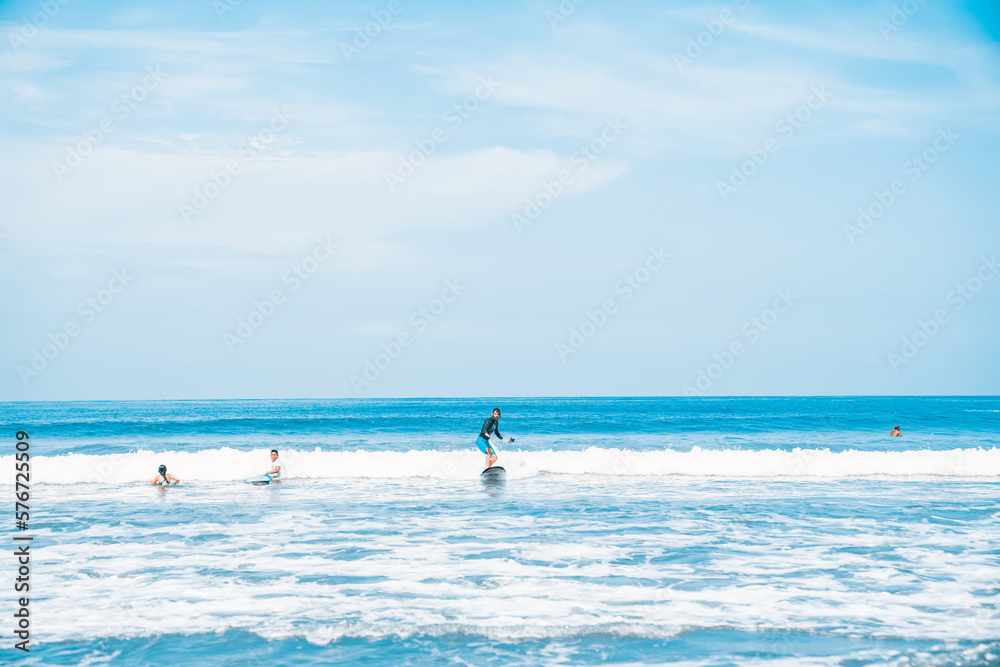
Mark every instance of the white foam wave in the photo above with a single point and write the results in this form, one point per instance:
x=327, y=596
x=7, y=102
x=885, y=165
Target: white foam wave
x=227, y=464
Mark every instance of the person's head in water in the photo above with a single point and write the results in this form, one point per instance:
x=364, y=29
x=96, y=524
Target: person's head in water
x=163, y=479
x=496, y=413
x=274, y=454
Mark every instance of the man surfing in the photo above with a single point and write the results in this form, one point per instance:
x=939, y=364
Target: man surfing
x=492, y=424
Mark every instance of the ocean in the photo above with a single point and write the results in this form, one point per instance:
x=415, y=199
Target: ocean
x=631, y=531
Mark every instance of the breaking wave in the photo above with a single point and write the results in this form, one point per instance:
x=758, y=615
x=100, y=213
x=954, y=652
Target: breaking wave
x=226, y=464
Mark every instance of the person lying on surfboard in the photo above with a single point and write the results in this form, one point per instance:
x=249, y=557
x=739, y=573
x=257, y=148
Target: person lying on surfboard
x=483, y=441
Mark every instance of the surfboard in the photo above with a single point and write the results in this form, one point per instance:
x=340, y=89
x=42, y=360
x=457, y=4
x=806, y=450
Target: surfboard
x=494, y=474
x=259, y=479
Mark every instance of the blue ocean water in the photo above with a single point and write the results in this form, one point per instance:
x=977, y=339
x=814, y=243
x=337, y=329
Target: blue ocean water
x=698, y=531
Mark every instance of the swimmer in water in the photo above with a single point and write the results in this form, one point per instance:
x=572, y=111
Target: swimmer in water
x=895, y=433
x=165, y=478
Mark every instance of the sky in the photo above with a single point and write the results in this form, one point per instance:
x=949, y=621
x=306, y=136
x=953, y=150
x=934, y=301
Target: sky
x=226, y=199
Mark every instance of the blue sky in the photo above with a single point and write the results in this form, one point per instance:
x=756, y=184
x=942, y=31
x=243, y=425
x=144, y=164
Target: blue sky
x=225, y=154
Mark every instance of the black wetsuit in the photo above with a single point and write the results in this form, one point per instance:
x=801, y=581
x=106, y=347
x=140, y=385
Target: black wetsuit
x=489, y=426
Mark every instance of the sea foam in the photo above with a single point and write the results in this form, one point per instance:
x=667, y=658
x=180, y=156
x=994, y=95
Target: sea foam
x=225, y=464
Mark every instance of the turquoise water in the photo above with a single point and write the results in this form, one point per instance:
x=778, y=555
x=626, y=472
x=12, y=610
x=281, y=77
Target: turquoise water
x=630, y=531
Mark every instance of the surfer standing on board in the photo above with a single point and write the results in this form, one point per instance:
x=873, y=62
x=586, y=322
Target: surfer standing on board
x=483, y=441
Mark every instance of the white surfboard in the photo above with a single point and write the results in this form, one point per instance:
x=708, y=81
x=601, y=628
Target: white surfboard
x=259, y=479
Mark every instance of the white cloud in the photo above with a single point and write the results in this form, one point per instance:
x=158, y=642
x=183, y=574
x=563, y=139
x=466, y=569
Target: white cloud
x=738, y=89
x=123, y=198
x=30, y=61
